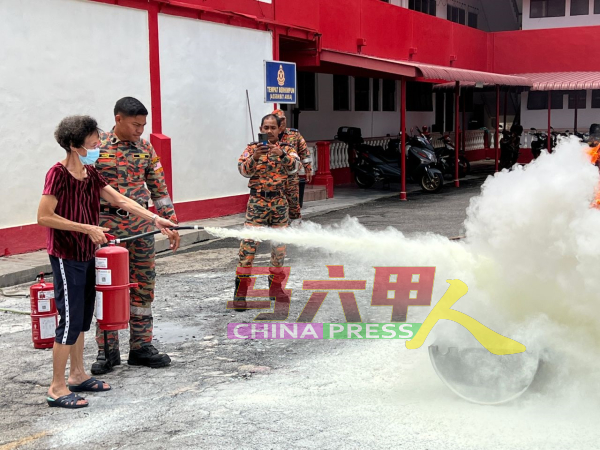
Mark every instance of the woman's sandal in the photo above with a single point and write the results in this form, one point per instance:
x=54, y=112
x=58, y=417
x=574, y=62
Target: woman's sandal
x=90, y=385
x=66, y=401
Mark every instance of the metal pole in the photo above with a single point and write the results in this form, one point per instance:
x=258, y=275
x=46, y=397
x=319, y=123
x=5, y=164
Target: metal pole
x=456, y=131
x=403, y=137
x=549, y=121
x=497, y=140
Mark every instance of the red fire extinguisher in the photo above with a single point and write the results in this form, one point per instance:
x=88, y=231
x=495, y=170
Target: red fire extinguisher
x=44, y=316
x=112, y=286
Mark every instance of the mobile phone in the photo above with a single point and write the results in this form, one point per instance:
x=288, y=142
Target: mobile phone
x=263, y=138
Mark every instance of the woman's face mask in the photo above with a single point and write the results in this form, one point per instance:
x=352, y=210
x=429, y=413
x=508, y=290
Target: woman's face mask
x=91, y=157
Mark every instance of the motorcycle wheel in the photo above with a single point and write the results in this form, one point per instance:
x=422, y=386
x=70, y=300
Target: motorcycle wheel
x=434, y=185
x=364, y=181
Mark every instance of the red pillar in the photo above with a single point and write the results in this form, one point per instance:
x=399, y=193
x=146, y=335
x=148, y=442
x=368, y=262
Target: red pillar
x=505, y=106
x=403, y=137
x=323, y=176
x=153, y=45
x=160, y=142
x=549, y=121
x=497, y=143
x=456, y=131
x=463, y=126
x=576, y=104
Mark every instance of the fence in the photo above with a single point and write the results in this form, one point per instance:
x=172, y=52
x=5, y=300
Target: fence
x=338, y=156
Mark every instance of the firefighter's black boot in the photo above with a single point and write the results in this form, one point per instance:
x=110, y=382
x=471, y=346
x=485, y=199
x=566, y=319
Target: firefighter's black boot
x=239, y=296
x=148, y=356
x=276, y=291
x=102, y=366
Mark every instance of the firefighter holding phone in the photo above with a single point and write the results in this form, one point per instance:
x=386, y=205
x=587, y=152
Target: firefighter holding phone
x=267, y=164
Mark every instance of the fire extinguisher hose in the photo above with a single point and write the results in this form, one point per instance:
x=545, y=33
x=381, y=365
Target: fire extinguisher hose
x=15, y=311
x=138, y=236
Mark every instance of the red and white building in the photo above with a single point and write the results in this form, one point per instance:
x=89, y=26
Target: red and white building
x=191, y=62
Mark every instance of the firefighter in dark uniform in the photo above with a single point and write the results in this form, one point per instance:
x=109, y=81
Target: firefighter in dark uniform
x=131, y=166
x=268, y=167
x=293, y=191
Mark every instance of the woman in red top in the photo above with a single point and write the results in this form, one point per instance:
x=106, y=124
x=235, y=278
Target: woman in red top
x=70, y=208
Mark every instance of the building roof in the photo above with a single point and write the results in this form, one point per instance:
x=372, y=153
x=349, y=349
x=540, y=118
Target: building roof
x=415, y=69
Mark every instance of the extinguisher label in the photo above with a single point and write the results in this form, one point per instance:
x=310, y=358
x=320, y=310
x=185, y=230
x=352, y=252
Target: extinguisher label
x=43, y=305
x=47, y=327
x=103, y=277
x=101, y=263
x=99, y=305
x=45, y=295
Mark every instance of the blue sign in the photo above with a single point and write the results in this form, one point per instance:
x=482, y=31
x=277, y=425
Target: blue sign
x=280, y=82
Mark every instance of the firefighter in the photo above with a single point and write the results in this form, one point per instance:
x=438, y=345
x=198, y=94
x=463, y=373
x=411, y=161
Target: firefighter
x=268, y=167
x=129, y=164
x=293, y=137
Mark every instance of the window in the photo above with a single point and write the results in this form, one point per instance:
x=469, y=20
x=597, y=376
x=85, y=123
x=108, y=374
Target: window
x=596, y=6
x=580, y=7
x=307, y=91
x=362, y=94
x=472, y=20
x=580, y=96
x=389, y=95
x=539, y=100
x=455, y=14
x=341, y=93
x=419, y=96
x=424, y=6
x=596, y=98
x=376, y=82
x=547, y=8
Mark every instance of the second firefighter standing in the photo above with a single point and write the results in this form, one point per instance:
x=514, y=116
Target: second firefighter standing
x=268, y=168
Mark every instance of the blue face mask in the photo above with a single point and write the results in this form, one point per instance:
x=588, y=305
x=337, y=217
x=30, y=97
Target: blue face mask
x=91, y=157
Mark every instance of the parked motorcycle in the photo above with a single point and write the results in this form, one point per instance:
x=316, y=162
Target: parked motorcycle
x=446, y=157
x=371, y=163
x=509, y=146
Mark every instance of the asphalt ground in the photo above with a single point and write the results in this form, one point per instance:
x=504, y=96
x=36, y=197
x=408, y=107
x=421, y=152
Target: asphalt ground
x=247, y=394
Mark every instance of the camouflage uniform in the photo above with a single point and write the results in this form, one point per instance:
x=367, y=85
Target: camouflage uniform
x=129, y=167
x=267, y=205
x=293, y=137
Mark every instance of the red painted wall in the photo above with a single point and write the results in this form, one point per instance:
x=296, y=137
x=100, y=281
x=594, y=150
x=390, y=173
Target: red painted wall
x=391, y=31
x=550, y=50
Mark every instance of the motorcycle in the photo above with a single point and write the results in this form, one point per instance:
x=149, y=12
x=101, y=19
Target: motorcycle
x=541, y=142
x=372, y=163
x=446, y=156
x=509, y=146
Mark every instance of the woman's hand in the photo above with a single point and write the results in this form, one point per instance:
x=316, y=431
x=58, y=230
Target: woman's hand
x=96, y=234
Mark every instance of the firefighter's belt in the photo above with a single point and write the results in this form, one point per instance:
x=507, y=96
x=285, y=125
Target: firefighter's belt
x=266, y=194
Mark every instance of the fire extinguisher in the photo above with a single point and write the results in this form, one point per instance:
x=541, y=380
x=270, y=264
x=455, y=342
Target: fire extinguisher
x=112, y=284
x=44, y=316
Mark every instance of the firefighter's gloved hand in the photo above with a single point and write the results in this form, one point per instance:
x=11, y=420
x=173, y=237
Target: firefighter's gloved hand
x=96, y=234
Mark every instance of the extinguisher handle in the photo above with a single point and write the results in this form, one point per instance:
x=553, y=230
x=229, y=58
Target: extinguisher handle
x=109, y=237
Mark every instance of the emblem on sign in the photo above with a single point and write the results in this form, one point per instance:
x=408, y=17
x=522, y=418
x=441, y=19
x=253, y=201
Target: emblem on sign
x=281, y=76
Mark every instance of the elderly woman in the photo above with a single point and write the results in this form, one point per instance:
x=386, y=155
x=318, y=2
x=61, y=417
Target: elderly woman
x=70, y=208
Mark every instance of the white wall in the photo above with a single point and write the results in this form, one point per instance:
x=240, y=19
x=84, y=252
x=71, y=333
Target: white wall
x=559, y=22
x=561, y=118
x=205, y=71
x=323, y=124
x=59, y=58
